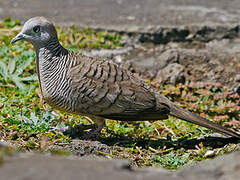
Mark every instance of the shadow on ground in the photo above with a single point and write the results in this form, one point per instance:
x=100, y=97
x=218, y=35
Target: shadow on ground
x=208, y=141
x=104, y=144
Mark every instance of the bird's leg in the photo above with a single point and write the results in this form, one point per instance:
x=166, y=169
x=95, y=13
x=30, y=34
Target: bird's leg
x=99, y=124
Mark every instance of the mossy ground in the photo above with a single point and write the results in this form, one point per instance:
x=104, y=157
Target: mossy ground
x=31, y=125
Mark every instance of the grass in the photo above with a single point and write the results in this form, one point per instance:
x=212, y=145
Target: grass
x=33, y=126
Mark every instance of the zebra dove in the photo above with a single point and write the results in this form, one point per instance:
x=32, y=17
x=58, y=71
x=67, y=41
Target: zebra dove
x=95, y=87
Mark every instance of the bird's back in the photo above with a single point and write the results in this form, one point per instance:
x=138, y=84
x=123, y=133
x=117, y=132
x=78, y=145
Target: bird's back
x=103, y=88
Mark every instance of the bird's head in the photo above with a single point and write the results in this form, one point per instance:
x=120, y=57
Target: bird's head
x=38, y=31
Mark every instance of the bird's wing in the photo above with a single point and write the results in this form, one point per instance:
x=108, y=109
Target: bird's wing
x=103, y=88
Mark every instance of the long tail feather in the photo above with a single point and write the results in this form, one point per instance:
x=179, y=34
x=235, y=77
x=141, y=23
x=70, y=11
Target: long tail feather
x=196, y=119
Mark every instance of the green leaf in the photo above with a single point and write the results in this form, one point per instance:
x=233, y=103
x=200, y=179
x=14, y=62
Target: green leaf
x=34, y=119
x=23, y=66
x=3, y=70
x=33, y=77
x=11, y=66
x=17, y=80
x=25, y=119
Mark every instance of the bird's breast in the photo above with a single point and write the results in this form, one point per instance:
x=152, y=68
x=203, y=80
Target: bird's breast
x=55, y=85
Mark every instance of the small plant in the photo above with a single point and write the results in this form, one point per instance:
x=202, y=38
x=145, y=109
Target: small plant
x=46, y=120
x=171, y=160
x=12, y=69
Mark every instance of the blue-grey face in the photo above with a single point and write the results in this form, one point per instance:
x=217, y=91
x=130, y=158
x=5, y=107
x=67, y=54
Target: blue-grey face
x=37, y=30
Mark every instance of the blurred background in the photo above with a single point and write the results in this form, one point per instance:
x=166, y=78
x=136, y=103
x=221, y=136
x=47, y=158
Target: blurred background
x=110, y=13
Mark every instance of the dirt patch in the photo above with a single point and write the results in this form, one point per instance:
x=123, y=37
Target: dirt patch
x=83, y=148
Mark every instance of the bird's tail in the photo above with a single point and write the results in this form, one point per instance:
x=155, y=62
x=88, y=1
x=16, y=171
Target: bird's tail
x=196, y=119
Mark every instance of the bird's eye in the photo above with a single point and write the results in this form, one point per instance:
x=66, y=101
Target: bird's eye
x=36, y=29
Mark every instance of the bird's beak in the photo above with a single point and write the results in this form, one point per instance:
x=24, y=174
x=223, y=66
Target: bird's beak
x=17, y=38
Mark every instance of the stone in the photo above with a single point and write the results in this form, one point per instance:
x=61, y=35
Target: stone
x=173, y=73
x=40, y=167
x=222, y=168
x=167, y=57
x=237, y=78
x=106, y=53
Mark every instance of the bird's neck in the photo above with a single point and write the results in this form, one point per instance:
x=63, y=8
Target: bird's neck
x=51, y=57
x=52, y=49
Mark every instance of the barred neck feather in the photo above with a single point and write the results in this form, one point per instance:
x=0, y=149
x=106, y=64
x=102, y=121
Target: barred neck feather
x=53, y=61
x=56, y=48
x=53, y=47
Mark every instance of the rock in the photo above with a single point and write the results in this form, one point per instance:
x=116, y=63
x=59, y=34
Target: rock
x=222, y=168
x=107, y=53
x=221, y=46
x=167, y=57
x=173, y=73
x=193, y=56
x=144, y=62
x=40, y=167
x=237, y=78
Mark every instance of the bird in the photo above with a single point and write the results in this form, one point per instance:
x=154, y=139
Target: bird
x=97, y=87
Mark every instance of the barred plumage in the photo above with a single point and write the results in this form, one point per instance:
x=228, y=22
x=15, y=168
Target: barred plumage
x=96, y=87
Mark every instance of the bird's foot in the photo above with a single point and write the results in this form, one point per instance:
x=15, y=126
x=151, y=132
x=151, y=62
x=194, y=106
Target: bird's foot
x=93, y=132
x=75, y=131
x=95, y=128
